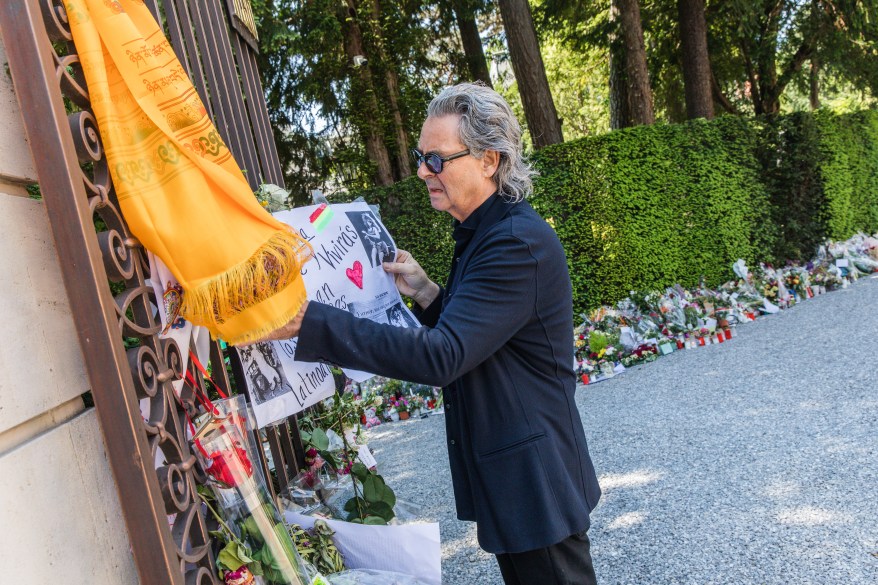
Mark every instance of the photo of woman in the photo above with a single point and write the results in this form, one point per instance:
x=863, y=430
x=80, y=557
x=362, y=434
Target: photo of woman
x=265, y=376
x=375, y=239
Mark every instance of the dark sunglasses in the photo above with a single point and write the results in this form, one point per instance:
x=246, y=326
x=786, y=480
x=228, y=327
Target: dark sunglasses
x=433, y=160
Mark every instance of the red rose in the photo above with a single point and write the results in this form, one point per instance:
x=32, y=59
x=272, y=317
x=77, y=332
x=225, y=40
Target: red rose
x=227, y=465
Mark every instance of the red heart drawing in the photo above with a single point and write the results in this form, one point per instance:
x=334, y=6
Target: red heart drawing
x=356, y=274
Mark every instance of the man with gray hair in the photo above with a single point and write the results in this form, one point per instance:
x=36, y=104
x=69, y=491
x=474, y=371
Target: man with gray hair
x=496, y=337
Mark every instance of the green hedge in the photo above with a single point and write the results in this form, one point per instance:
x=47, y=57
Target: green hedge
x=849, y=171
x=822, y=173
x=651, y=206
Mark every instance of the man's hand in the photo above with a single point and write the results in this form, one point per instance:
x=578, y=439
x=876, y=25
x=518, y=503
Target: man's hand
x=289, y=330
x=411, y=280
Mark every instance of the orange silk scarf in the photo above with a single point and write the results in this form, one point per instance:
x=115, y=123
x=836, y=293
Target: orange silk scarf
x=178, y=186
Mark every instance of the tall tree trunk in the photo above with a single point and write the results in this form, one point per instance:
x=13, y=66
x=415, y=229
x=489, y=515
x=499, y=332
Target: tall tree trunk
x=403, y=160
x=752, y=80
x=766, y=61
x=696, y=64
x=465, y=16
x=814, y=94
x=620, y=115
x=636, y=72
x=364, y=92
x=530, y=73
x=391, y=81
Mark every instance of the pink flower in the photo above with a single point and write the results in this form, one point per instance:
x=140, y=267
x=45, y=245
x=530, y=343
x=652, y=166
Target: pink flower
x=242, y=576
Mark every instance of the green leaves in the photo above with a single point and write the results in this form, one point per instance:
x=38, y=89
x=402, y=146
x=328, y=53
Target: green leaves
x=371, y=489
x=233, y=556
x=249, y=528
x=263, y=563
x=359, y=471
x=375, y=506
x=319, y=439
x=317, y=547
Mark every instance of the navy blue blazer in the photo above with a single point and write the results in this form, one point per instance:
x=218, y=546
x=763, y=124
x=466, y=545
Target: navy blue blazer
x=499, y=342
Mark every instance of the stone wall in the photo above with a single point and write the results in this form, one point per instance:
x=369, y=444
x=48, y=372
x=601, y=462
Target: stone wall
x=60, y=520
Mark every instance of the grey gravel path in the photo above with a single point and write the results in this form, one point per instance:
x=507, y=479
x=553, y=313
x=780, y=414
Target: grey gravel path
x=751, y=462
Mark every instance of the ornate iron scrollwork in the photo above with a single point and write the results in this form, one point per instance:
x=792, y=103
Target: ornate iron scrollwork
x=106, y=271
x=155, y=363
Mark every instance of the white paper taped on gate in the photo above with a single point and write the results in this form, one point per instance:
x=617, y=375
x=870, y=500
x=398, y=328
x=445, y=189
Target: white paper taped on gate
x=350, y=244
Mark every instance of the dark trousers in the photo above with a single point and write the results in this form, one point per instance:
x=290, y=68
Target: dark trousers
x=565, y=563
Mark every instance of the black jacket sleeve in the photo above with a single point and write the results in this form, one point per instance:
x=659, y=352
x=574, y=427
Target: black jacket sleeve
x=429, y=317
x=494, y=298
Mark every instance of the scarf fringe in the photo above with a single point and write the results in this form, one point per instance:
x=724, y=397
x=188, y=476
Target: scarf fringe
x=271, y=326
x=272, y=268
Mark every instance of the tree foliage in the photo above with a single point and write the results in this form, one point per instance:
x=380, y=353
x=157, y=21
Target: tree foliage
x=759, y=50
x=347, y=82
x=324, y=101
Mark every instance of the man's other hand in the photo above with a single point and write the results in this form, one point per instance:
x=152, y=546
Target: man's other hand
x=411, y=280
x=289, y=330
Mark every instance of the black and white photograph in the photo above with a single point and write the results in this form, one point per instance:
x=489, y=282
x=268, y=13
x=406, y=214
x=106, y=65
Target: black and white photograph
x=375, y=239
x=265, y=376
x=399, y=317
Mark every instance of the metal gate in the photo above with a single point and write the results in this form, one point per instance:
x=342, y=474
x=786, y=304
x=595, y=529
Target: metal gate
x=118, y=328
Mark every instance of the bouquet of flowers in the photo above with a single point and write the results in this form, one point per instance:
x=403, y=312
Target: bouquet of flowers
x=257, y=543
x=417, y=402
x=770, y=285
x=642, y=354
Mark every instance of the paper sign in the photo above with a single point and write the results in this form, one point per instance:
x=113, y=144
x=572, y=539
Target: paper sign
x=350, y=244
x=279, y=386
x=842, y=263
x=365, y=455
x=346, y=271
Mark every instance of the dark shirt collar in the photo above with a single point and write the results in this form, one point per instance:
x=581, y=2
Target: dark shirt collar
x=482, y=218
x=463, y=231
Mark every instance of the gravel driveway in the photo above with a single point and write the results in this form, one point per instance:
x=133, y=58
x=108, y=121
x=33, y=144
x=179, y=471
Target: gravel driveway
x=750, y=462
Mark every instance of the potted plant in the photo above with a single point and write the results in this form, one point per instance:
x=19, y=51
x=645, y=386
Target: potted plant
x=402, y=407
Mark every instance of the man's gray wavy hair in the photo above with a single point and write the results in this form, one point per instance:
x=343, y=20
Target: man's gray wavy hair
x=487, y=123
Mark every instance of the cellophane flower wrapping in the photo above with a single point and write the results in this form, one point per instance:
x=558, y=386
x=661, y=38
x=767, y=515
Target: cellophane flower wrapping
x=246, y=506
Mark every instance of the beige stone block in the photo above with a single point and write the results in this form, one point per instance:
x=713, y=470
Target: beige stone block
x=41, y=364
x=16, y=162
x=59, y=511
